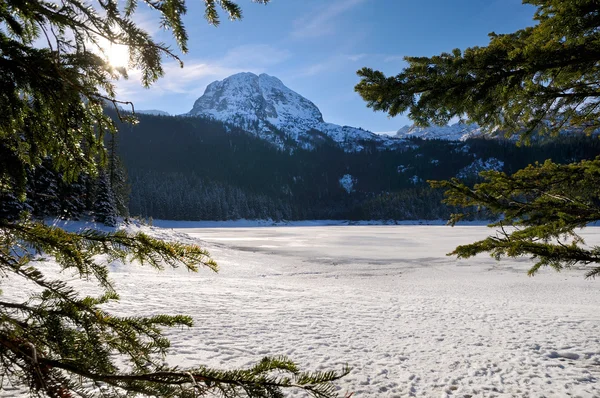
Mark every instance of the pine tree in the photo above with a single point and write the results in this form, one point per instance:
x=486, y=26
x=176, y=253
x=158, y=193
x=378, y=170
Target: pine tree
x=546, y=202
x=105, y=206
x=73, y=196
x=43, y=192
x=118, y=177
x=11, y=207
x=11, y=200
x=60, y=342
x=538, y=80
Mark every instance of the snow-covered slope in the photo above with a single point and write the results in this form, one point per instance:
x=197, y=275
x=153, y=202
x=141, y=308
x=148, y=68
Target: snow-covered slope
x=453, y=132
x=462, y=131
x=480, y=165
x=264, y=106
x=155, y=112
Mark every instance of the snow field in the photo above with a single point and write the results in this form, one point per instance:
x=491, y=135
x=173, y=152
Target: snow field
x=410, y=321
x=387, y=301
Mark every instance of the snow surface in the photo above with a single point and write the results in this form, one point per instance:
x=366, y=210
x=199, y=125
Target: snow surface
x=480, y=165
x=155, y=112
x=402, y=168
x=452, y=132
x=347, y=182
x=384, y=299
x=462, y=131
x=415, y=179
x=263, y=105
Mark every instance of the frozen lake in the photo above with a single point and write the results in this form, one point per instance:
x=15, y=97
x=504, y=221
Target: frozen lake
x=386, y=300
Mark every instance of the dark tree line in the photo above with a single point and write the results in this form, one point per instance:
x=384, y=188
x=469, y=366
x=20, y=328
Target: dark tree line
x=197, y=169
x=102, y=197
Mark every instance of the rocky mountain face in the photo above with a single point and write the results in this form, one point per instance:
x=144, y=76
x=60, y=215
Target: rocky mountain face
x=264, y=106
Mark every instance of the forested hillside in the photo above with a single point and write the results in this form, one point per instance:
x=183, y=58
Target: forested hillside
x=190, y=168
x=101, y=196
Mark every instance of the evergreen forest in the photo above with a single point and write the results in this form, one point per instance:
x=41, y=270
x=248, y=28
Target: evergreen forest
x=188, y=168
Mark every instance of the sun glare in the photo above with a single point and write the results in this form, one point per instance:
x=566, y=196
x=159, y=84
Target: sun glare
x=118, y=55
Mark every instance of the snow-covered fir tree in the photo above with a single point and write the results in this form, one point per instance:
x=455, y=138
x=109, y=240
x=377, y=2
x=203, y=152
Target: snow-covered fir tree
x=105, y=208
x=73, y=198
x=118, y=177
x=11, y=207
x=43, y=191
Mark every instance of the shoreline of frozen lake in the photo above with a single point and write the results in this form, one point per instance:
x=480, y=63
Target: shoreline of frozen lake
x=244, y=223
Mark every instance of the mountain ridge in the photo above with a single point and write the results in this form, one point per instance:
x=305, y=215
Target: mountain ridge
x=453, y=132
x=154, y=112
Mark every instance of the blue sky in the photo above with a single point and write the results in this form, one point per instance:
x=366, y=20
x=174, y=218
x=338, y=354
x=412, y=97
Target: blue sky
x=315, y=47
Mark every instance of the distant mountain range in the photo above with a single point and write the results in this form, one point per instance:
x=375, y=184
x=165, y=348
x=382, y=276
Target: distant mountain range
x=263, y=106
x=453, y=132
x=154, y=112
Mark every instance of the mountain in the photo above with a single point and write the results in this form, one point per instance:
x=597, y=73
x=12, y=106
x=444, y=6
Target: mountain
x=453, y=132
x=154, y=112
x=264, y=106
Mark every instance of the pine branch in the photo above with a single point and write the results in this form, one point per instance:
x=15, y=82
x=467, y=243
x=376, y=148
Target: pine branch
x=548, y=201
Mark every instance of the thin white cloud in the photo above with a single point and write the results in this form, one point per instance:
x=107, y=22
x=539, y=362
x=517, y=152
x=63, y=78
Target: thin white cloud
x=255, y=56
x=148, y=20
x=393, y=58
x=191, y=80
x=328, y=65
x=320, y=22
x=315, y=69
x=356, y=57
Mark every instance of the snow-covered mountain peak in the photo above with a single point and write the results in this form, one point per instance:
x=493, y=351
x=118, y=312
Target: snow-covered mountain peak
x=263, y=105
x=245, y=98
